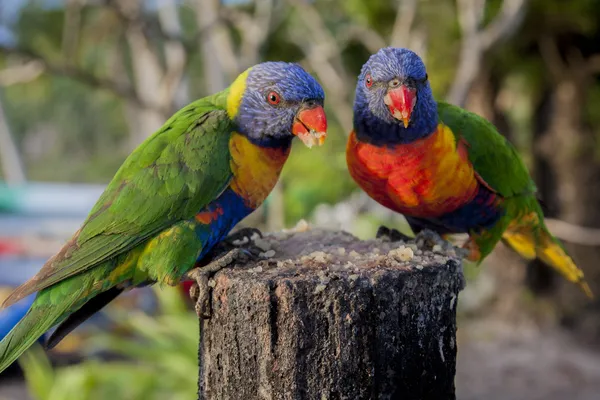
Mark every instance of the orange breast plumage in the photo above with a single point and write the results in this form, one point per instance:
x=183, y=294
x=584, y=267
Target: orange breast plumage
x=255, y=169
x=426, y=178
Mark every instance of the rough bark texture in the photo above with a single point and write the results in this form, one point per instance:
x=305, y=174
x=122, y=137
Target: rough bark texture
x=332, y=317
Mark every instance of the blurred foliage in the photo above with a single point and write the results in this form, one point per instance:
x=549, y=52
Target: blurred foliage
x=314, y=176
x=157, y=359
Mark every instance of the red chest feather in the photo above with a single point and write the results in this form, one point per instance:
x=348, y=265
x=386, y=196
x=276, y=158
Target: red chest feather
x=426, y=178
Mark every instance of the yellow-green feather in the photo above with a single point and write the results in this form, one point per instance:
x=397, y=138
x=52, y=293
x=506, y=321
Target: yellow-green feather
x=493, y=157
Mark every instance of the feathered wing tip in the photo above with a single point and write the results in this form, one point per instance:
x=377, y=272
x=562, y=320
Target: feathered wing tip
x=44, y=277
x=18, y=294
x=550, y=251
x=29, y=329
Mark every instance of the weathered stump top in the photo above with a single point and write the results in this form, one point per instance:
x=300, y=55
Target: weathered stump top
x=327, y=254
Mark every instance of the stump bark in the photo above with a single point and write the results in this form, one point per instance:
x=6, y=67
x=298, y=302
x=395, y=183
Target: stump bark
x=332, y=317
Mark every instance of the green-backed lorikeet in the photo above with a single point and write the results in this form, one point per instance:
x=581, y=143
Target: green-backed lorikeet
x=175, y=198
x=444, y=168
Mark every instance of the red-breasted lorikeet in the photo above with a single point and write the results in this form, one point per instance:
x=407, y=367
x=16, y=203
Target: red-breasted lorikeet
x=444, y=168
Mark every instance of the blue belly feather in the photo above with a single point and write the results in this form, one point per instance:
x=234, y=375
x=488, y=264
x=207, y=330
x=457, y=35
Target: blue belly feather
x=234, y=209
x=479, y=214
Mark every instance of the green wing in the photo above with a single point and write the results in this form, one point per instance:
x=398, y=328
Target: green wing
x=168, y=178
x=494, y=158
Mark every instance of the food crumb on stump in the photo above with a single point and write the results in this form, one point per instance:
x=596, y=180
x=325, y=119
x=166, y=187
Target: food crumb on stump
x=300, y=248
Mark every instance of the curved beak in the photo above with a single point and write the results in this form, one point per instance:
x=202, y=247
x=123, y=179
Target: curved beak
x=310, y=125
x=401, y=102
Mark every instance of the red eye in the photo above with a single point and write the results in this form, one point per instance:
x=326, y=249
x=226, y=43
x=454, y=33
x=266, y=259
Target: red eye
x=273, y=98
x=368, y=81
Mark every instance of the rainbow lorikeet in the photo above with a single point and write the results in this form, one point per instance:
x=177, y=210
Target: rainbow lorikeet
x=444, y=168
x=175, y=198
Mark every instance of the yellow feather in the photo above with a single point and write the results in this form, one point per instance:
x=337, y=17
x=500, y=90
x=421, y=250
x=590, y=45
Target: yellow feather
x=521, y=243
x=554, y=255
x=255, y=169
x=236, y=93
x=530, y=240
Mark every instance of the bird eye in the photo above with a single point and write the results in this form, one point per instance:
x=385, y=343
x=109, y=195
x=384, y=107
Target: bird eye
x=368, y=81
x=273, y=98
x=395, y=83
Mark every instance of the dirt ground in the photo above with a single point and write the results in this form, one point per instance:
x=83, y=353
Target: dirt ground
x=498, y=362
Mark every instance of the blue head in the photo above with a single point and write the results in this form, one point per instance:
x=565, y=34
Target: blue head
x=394, y=103
x=274, y=101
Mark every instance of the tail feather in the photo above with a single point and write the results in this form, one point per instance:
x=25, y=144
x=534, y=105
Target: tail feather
x=32, y=326
x=537, y=242
x=522, y=243
x=552, y=253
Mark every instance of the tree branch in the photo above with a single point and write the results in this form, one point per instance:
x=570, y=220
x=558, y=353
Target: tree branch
x=10, y=162
x=573, y=233
x=593, y=64
x=217, y=47
x=118, y=88
x=253, y=28
x=160, y=30
x=323, y=55
x=551, y=56
x=175, y=54
x=370, y=39
x=504, y=24
x=476, y=41
x=470, y=17
x=401, y=33
x=71, y=28
x=23, y=73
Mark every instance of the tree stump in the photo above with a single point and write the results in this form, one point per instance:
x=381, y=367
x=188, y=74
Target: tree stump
x=331, y=317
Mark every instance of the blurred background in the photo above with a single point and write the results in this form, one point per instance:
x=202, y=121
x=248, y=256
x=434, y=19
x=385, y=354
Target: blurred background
x=82, y=82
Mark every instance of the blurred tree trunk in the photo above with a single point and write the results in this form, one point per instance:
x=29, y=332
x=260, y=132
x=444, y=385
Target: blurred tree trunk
x=147, y=79
x=477, y=39
x=483, y=100
x=156, y=83
x=10, y=161
x=218, y=56
x=175, y=54
x=568, y=174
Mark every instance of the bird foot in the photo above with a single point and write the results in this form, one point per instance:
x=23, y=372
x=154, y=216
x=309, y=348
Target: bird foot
x=200, y=290
x=471, y=251
x=239, y=247
x=244, y=239
x=393, y=235
x=243, y=236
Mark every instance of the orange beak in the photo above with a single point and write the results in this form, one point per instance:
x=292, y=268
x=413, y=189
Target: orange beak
x=401, y=102
x=310, y=126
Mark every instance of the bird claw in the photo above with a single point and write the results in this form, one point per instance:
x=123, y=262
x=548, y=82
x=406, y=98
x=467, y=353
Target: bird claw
x=393, y=235
x=238, y=247
x=200, y=290
x=242, y=236
x=243, y=239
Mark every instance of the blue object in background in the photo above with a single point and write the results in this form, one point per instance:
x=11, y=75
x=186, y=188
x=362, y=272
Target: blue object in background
x=13, y=314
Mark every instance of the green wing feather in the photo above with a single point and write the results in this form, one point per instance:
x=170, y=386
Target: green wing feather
x=493, y=157
x=168, y=178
